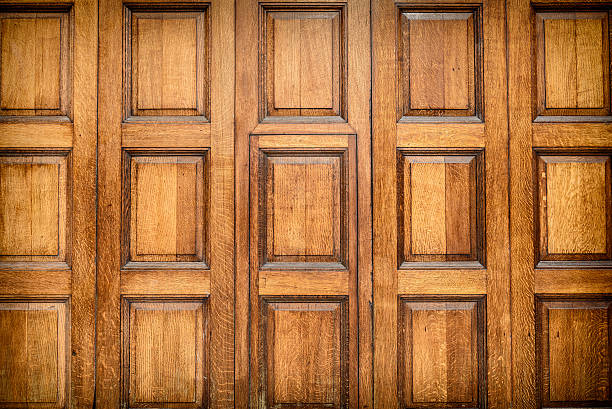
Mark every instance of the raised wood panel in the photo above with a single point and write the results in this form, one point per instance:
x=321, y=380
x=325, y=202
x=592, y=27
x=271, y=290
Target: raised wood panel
x=439, y=63
x=303, y=207
x=304, y=61
x=35, y=63
x=167, y=60
x=164, y=350
x=440, y=352
x=574, y=351
x=34, y=207
x=166, y=200
x=440, y=208
x=575, y=221
x=573, y=63
x=34, y=358
x=304, y=345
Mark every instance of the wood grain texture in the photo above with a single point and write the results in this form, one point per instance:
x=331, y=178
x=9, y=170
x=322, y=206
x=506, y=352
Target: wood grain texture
x=34, y=357
x=439, y=353
x=36, y=135
x=34, y=208
x=574, y=350
x=304, y=347
x=35, y=63
x=165, y=343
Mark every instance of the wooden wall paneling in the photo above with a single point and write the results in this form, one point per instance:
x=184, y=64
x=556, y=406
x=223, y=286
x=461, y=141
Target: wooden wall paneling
x=166, y=153
x=48, y=116
x=295, y=129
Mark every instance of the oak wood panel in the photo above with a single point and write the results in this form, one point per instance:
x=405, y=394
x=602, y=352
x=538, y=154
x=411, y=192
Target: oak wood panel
x=305, y=61
x=297, y=282
x=440, y=135
x=167, y=203
x=34, y=358
x=167, y=62
x=574, y=352
x=329, y=127
x=35, y=66
x=165, y=359
x=440, y=63
x=31, y=282
x=35, y=135
x=582, y=281
x=572, y=63
x=441, y=352
x=165, y=281
x=157, y=135
x=304, y=347
x=432, y=281
x=34, y=205
x=567, y=135
x=440, y=199
x=574, y=202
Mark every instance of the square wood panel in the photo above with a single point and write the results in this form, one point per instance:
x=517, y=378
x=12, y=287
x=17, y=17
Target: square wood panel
x=573, y=73
x=34, y=354
x=34, y=207
x=303, y=208
x=167, y=60
x=575, y=208
x=305, y=61
x=441, y=352
x=165, y=343
x=440, y=208
x=574, y=350
x=35, y=64
x=304, y=345
x=440, y=64
x=166, y=201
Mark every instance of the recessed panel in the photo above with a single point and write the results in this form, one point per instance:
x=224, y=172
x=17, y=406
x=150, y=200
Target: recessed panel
x=304, y=210
x=304, y=61
x=168, y=56
x=164, y=346
x=575, y=206
x=167, y=200
x=440, y=203
x=33, y=207
x=305, y=356
x=575, y=351
x=439, y=64
x=34, y=354
x=34, y=63
x=573, y=63
x=441, y=352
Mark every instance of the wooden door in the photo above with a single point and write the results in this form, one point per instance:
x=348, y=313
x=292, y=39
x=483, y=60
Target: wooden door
x=303, y=224
x=165, y=330
x=47, y=202
x=560, y=150
x=440, y=205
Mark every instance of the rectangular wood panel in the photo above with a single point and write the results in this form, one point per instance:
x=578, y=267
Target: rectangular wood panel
x=34, y=370
x=166, y=201
x=574, y=351
x=34, y=207
x=35, y=63
x=168, y=58
x=304, y=348
x=440, y=199
x=164, y=352
x=440, y=352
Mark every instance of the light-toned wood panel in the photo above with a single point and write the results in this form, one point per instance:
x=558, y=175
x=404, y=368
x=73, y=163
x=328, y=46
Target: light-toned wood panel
x=287, y=62
x=305, y=359
x=317, y=63
x=34, y=353
x=568, y=135
x=35, y=135
x=31, y=50
x=440, y=135
x=35, y=282
x=33, y=200
x=164, y=345
x=459, y=206
x=166, y=281
x=575, y=350
x=304, y=141
x=439, y=352
x=428, y=217
x=157, y=135
x=326, y=127
x=303, y=282
x=442, y=282
x=579, y=281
